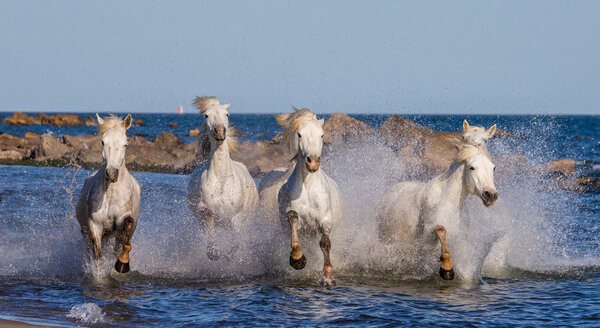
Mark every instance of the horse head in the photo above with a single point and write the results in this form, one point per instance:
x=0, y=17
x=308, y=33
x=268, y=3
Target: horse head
x=477, y=135
x=304, y=135
x=114, y=143
x=479, y=173
x=310, y=144
x=217, y=121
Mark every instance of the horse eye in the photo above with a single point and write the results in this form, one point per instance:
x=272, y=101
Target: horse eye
x=102, y=142
x=205, y=115
x=299, y=136
x=494, y=168
x=227, y=114
x=472, y=168
x=322, y=135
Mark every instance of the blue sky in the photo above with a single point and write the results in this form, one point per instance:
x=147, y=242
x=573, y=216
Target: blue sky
x=355, y=57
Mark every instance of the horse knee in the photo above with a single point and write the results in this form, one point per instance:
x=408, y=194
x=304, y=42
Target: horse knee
x=325, y=243
x=292, y=217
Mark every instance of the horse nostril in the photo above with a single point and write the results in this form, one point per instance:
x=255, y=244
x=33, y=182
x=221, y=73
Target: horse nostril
x=487, y=195
x=308, y=159
x=495, y=195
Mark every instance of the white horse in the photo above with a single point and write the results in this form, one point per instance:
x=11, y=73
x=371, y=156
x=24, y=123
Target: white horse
x=109, y=202
x=417, y=212
x=221, y=192
x=477, y=135
x=309, y=201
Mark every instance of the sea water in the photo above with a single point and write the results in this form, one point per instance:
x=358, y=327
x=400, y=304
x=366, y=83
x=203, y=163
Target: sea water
x=532, y=259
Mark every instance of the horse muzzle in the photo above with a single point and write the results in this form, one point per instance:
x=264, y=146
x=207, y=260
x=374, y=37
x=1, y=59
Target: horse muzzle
x=312, y=163
x=489, y=197
x=111, y=175
x=219, y=133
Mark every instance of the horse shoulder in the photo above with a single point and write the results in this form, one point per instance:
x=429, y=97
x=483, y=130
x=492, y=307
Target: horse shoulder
x=81, y=209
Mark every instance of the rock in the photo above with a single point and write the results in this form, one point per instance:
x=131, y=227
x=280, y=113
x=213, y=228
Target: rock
x=173, y=125
x=79, y=142
x=19, y=118
x=565, y=166
x=167, y=140
x=91, y=121
x=67, y=120
x=341, y=127
x=503, y=134
x=31, y=135
x=50, y=147
x=261, y=157
x=12, y=145
x=139, y=122
x=11, y=155
x=194, y=132
x=423, y=151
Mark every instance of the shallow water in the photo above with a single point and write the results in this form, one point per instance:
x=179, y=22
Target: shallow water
x=530, y=260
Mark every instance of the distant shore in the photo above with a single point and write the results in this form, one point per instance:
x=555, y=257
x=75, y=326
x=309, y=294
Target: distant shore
x=422, y=150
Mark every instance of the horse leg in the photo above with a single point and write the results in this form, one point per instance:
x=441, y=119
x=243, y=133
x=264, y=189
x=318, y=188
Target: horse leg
x=297, y=259
x=122, y=264
x=209, y=221
x=446, y=270
x=325, y=244
x=96, y=239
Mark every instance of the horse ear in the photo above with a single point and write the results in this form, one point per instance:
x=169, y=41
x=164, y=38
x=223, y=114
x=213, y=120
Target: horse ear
x=466, y=126
x=227, y=106
x=127, y=122
x=322, y=121
x=100, y=120
x=491, y=131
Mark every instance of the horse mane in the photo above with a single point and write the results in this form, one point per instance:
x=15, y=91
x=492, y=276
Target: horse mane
x=467, y=151
x=291, y=122
x=109, y=123
x=204, y=103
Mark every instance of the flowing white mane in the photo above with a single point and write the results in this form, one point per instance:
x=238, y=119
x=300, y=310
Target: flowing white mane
x=291, y=122
x=466, y=151
x=109, y=123
x=204, y=103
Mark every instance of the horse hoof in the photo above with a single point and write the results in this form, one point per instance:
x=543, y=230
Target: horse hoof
x=327, y=282
x=299, y=263
x=122, y=267
x=213, y=254
x=447, y=274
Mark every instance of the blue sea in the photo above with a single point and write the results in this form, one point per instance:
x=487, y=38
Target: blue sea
x=533, y=259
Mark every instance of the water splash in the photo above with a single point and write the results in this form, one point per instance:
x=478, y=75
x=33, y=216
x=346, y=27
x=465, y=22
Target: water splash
x=89, y=313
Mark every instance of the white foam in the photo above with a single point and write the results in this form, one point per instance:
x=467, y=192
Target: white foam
x=87, y=313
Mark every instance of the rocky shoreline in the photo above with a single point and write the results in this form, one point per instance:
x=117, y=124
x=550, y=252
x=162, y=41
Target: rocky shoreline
x=422, y=150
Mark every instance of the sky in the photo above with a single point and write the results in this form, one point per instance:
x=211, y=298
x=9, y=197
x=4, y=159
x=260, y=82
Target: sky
x=442, y=57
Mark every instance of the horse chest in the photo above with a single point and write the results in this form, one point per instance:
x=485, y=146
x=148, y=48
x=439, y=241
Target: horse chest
x=112, y=206
x=221, y=194
x=309, y=203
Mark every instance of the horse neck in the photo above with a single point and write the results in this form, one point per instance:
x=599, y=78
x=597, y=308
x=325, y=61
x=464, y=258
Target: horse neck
x=454, y=190
x=220, y=162
x=301, y=174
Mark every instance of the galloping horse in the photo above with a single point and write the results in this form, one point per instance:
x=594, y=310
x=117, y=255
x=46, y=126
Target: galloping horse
x=109, y=202
x=224, y=193
x=309, y=201
x=417, y=212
